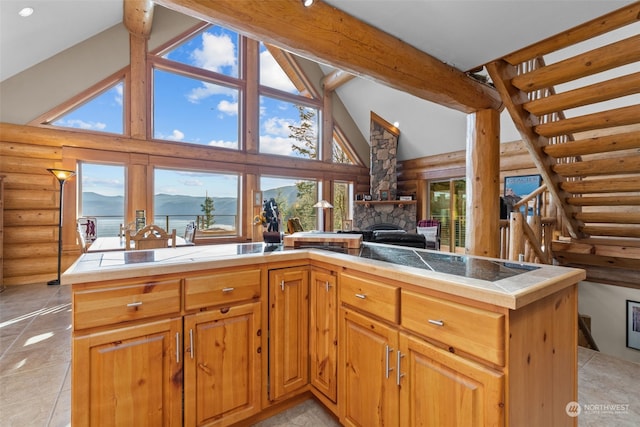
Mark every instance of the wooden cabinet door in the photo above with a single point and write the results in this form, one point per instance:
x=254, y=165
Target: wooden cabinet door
x=368, y=390
x=288, y=330
x=323, y=339
x=128, y=376
x=440, y=389
x=222, y=365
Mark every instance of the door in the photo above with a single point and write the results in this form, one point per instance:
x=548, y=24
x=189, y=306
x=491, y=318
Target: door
x=447, y=203
x=323, y=339
x=441, y=389
x=222, y=365
x=288, y=330
x=129, y=376
x=368, y=390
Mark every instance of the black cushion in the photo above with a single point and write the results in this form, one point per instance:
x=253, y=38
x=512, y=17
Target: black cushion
x=413, y=240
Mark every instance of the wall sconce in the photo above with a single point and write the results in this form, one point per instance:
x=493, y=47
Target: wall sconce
x=62, y=176
x=322, y=204
x=308, y=3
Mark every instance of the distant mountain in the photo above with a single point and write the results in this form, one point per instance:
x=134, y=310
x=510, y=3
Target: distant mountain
x=95, y=204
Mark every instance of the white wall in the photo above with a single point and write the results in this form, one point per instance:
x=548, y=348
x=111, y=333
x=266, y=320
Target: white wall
x=606, y=304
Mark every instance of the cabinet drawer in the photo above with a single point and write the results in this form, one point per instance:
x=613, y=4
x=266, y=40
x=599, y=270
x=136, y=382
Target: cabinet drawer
x=473, y=330
x=124, y=303
x=373, y=297
x=221, y=288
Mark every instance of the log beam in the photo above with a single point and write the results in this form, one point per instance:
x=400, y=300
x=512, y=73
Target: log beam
x=138, y=17
x=328, y=35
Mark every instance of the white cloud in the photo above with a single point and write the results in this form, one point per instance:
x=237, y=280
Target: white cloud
x=119, y=94
x=192, y=183
x=224, y=144
x=228, y=108
x=81, y=124
x=209, y=89
x=275, y=145
x=272, y=75
x=277, y=126
x=176, y=135
x=217, y=52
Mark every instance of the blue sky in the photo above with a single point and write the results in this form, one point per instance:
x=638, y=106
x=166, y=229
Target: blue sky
x=193, y=111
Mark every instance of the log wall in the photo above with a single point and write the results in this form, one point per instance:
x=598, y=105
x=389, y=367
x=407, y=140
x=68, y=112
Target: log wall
x=32, y=193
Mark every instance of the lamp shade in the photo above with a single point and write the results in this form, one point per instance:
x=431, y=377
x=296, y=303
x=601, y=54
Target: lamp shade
x=62, y=174
x=323, y=204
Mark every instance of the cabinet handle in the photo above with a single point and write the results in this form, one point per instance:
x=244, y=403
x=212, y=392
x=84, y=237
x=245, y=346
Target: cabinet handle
x=134, y=304
x=398, y=374
x=282, y=285
x=361, y=296
x=191, y=342
x=387, y=368
x=227, y=289
x=327, y=285
x=178, y=347
x=436, y=322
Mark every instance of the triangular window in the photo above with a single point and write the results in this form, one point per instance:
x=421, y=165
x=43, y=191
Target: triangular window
x=103, y=112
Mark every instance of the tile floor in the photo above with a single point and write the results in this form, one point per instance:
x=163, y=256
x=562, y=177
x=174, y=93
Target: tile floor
x=35, y=355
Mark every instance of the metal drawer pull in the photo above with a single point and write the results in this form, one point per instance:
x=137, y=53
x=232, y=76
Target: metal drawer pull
x=361, y=296
x=227, y=289
x=436, y=322
x=327, y=285
x=177, y=347
x=282, y=285
x=191, y=342
x=387, y=368
x=134, y=304
x=398, y=374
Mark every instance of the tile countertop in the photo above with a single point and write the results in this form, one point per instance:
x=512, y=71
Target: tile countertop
x=498, y=282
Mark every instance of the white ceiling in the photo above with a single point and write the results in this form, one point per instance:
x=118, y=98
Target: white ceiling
x=462, y=33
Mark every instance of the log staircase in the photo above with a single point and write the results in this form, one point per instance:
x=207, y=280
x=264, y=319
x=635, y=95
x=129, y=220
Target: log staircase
x=578, y=111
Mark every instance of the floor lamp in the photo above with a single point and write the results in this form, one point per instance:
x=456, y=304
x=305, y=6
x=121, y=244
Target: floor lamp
x=322, y=204
x=62, y=176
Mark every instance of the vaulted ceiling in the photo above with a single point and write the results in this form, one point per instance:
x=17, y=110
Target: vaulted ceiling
x=462, y=33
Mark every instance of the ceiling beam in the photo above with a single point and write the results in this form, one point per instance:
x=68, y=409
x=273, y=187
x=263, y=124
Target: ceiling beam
x=325, y=34
x=138, y=17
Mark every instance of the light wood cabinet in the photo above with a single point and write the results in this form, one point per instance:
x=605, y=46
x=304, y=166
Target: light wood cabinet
x=323, y=333
x=368, y=392
x=128, y=376
x=440, y=389
x=222, y=368
x=288, y=331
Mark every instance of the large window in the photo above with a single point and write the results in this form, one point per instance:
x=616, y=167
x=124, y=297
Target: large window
x=288, y=129
x=294, y=197
x=342, y=210
x=208, y=199
x=101, y=194
x=196, y=111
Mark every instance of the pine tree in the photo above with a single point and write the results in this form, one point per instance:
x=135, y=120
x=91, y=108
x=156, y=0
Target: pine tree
x=208, y=208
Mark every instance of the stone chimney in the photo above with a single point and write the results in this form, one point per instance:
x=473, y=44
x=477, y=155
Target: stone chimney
x=388, y=212
x=384, y=150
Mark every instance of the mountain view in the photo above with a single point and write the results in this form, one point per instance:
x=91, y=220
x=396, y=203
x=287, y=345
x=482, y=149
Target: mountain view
x=95, y=204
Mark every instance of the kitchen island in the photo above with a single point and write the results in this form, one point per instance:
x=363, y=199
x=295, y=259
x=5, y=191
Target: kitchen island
x=379, y=334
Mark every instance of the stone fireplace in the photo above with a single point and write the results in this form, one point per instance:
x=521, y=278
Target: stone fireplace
x=387, y=213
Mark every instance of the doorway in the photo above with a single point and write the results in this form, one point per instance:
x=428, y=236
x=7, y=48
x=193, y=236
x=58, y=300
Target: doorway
x=447, y=203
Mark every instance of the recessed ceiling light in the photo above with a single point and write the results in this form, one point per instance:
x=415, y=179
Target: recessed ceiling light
x=307, y=3
x=26, y=11
x=396, y=124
